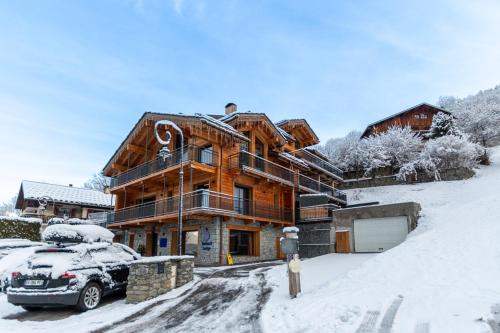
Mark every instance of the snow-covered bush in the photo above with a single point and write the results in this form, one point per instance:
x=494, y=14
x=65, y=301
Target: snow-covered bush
x=442, y=153
x=443, y=124
x=452, y=151
x=477, y=115
x=72, y=221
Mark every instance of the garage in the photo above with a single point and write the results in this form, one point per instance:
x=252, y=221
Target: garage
x=379, y=234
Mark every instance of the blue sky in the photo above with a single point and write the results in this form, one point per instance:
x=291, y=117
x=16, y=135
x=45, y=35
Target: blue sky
x=76, y=75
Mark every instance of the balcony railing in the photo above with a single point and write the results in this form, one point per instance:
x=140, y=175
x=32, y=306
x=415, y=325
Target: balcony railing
x=315, y=213
x=247, y=161
x=315, y=160
x=319, y=187
x=203, y=202
x=191, y=153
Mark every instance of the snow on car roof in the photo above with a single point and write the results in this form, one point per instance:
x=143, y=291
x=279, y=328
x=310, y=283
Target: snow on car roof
x=67, y=194
x=77, y=233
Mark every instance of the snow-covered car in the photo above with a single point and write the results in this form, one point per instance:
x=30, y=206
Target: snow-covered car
x=9, y=264
x=75, y=274
x=8, y=245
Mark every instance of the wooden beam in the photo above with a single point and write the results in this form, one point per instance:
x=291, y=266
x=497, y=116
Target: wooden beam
x=242, y=227
x=137, y=149
x=118, y=167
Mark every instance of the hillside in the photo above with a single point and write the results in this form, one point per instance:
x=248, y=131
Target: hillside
x=447, y=272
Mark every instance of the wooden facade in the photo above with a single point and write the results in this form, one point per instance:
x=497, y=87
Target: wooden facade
x=419, y=118
x=237, y=167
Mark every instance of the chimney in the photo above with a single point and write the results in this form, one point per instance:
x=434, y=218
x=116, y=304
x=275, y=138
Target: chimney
x=231, y=107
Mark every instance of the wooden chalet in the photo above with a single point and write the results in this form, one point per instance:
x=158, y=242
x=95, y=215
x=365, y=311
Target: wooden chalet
x=243, y=176
x=419, y=118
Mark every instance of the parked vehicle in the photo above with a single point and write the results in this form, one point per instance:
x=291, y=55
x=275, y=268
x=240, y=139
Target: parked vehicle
x=7, y=245
x=71, y=274
x=13, y=252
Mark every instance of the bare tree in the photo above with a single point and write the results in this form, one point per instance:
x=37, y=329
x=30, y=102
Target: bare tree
x=8, y=207
x=97, y=182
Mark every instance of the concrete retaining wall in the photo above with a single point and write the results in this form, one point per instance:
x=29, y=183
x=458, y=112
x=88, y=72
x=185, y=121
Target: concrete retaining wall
x=446, y=175
x=153, y=276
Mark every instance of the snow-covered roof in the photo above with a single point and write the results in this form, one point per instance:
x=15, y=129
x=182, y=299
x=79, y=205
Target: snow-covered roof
x=31, y=190
x=286, y=134
x=211, y=120
x=298, y=120
x=402, y=112
x=236, y=114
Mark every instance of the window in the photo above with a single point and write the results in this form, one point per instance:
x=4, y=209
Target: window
x=242, y=243
x=423, y=116
x=417, y=116
x=190, y=242
x=259, y=151
x=244, y=145
x=206, y=155
x=242, y=200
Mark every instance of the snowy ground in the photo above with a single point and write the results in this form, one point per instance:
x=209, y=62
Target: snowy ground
x=444, y=278
x=447, y=273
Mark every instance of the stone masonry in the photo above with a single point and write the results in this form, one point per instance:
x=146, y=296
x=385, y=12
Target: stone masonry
x=153, y=276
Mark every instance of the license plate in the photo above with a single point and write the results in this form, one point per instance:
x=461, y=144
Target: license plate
x=33, y=283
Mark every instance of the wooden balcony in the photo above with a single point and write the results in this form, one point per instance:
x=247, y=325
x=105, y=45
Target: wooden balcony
x=200, y=204
x=310, y=185
x=260, y=167
x=319, y=164
x=159, y=165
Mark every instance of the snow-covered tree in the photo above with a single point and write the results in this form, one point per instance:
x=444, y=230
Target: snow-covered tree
x=401, y=145
x=477, y=115
x=97, y=182
x=374, y=154
x=446, y=152
x=344, y=152
x=443, y=124
x=8, y=207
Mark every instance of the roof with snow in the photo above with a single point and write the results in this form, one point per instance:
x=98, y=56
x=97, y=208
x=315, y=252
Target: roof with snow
x=283, y=124
x=438, y=109
x=31, y=190
x=210, y=120
x=233, y=115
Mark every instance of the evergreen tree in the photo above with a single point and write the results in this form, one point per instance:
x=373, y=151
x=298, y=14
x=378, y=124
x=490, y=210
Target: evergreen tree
x=443, y=124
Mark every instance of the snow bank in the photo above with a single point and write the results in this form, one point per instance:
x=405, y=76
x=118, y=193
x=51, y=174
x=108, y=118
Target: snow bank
x=77, y=233
x=447, y=270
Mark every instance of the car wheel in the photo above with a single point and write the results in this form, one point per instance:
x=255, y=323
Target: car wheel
x=89, y=297
x=31, y=308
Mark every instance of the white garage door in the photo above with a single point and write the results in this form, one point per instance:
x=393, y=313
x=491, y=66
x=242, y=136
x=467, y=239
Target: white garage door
x=380, y=234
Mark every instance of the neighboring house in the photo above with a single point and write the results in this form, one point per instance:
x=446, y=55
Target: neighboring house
x=61, y=201
x=243, y=177
x=419, y=118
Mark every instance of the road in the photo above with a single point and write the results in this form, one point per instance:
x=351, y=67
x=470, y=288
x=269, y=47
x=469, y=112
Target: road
x=224, y=300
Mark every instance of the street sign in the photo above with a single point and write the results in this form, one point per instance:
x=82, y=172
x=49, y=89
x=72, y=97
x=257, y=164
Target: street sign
x=290, y=245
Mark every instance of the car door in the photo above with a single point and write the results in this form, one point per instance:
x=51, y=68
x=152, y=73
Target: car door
x=110, y=258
